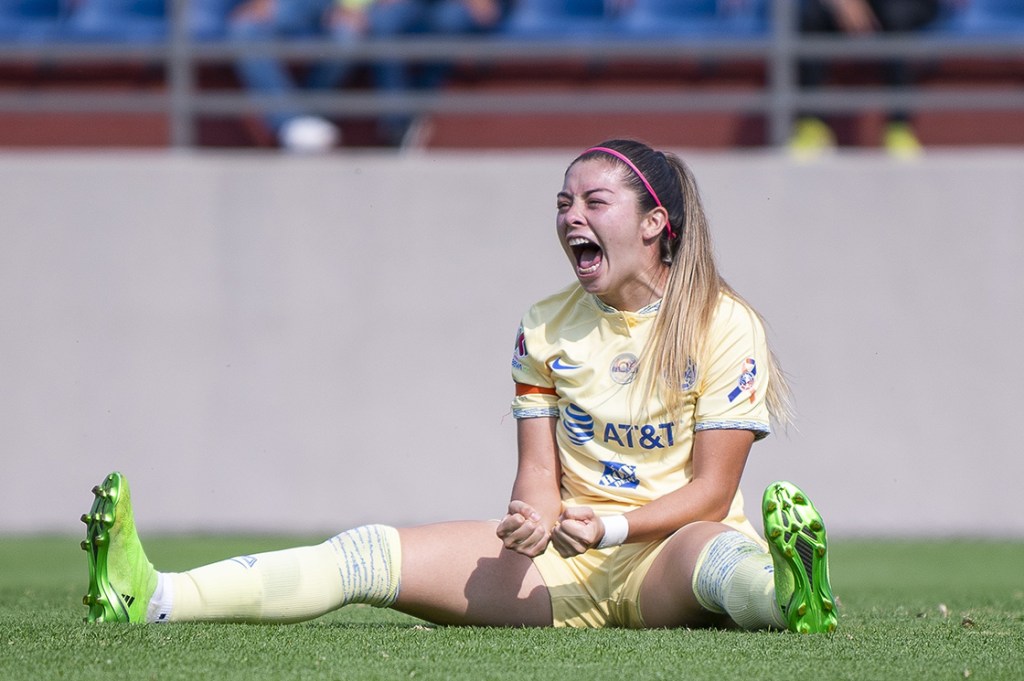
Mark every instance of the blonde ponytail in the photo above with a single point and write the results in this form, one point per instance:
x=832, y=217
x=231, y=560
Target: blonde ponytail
x=688, y=305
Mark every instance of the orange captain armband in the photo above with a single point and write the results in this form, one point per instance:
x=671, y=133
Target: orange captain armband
x=525, y=389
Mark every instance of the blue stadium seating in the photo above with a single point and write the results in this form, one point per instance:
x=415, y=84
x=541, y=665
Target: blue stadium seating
x=30, y=20
x=558, y=19
x=979, y=18
x=118, y=20
x=695, y=19
x=107, y=20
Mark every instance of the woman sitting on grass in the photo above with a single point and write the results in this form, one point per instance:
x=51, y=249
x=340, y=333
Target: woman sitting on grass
x=640, y=389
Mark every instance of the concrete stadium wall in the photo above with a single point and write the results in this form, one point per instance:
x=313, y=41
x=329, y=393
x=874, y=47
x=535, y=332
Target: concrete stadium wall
x=279, y=344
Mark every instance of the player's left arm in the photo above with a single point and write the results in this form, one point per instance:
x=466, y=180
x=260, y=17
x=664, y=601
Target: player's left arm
x=719, y=457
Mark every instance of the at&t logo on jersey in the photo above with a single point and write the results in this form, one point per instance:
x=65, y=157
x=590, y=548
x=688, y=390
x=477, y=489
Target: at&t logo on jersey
x=580, y=429
x=619, y=475
x=745, y=384
x=578, y=424
x=644, y=436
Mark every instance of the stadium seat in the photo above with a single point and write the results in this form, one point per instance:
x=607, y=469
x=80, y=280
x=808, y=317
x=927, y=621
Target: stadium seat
x=695, y=18
x=557, y=19
x=986, y=17
x=29, y=20
x=118, y=20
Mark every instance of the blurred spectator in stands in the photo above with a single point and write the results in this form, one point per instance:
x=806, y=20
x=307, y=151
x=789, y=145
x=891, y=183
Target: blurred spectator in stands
x=860, y=17
x=208, y=19
x=437, y=18
x=344, y=21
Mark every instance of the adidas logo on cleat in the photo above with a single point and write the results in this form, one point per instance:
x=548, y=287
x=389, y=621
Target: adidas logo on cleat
x=128, y=600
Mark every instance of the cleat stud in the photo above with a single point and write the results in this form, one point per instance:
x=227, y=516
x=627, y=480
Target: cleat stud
x=788, y=551
x=827, y=605
x=771, y=506
x=817, y=526
x=86, y=544
x=107, y=518
x=85, y=518
x=799, y=499
x=820, y=551
x=803, y=628
x=802, y=609
x=775, y=533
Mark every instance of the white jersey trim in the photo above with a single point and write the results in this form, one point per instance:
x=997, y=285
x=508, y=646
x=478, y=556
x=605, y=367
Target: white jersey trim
x=535, y=413
x=760, y=430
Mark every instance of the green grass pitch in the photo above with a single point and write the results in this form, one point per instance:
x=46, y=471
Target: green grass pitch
x=921, y=609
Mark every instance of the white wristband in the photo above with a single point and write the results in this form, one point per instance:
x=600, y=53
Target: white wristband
x=616, y=529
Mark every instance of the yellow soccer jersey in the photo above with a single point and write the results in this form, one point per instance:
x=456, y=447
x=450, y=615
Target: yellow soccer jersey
x=575, y=360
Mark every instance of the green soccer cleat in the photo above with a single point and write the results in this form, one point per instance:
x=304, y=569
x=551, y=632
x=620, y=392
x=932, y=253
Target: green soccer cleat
x=121, y=578
x=796, y=539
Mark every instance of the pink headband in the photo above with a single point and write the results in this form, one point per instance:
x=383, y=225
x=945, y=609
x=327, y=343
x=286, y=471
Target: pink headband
x=632, y=166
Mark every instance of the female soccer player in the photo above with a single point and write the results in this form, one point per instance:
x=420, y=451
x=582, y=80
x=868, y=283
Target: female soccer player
x=639, y=392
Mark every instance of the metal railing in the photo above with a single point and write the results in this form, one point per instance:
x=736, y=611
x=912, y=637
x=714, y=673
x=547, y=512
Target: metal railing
x=779, y=100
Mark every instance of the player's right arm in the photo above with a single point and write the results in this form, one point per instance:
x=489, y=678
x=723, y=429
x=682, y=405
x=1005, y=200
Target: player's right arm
x=536, y=500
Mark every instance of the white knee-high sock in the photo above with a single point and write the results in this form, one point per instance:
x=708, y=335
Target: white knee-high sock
x=736, y=576
x=362, y=565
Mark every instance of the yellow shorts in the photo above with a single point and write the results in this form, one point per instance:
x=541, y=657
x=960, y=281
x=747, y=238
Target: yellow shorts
x=601, y=588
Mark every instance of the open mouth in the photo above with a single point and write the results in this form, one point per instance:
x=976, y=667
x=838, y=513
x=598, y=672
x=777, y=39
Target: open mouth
x=588, y=255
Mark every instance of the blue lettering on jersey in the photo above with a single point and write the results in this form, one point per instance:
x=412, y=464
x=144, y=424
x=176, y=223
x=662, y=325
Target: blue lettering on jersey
x=578, y=424
x=647, y=436
x=619, y=475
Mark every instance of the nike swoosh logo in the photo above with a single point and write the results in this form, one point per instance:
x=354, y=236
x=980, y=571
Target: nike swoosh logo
x=558, y=364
